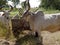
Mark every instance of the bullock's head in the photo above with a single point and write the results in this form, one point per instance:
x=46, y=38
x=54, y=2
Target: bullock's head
x=26, y=13
x=6, y=12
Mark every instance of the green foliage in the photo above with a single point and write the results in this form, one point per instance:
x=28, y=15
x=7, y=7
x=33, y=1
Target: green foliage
x=15, y=1
x=51, y=4
x=2, y=2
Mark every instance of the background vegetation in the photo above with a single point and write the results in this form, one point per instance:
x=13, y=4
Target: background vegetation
x=50, y=4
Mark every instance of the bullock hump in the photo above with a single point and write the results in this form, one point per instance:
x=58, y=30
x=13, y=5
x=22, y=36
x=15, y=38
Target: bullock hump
x=39, y=13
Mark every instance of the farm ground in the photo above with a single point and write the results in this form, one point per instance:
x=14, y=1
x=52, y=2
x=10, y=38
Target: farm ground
x=48, y=39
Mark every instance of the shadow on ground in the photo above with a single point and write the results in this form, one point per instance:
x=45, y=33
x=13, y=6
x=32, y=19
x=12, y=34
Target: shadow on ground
x=26, y=40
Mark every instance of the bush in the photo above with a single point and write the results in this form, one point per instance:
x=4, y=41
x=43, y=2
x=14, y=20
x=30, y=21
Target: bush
x=51, y=4
x=2, y=2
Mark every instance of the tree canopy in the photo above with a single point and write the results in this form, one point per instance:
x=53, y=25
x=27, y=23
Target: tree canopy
x=2, y=2
x=54, y=4
x=15, y=1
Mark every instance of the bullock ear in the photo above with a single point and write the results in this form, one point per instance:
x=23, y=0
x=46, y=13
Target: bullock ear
x=11, y=8
x=3, y=15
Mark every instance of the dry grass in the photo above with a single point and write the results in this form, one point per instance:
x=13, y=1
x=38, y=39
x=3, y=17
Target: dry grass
x=3, y=30
x=51, y=38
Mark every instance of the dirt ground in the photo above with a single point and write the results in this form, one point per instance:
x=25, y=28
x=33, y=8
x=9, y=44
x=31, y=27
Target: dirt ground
x=48, y=38
x=51, y=38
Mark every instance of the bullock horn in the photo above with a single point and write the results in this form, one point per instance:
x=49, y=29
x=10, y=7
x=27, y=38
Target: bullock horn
x=27, y=8
x=11, y=8
x=1, y=7
x=28, y=5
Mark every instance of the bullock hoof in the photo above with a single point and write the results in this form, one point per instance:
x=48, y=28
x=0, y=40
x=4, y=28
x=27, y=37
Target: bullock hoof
x=39, y=41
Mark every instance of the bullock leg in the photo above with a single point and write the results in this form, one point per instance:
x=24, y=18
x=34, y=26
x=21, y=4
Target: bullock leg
x=35, y=26
x=38, y=34
x=16, y=33
x=38, y=38
x=40, y=41
x=8, y=30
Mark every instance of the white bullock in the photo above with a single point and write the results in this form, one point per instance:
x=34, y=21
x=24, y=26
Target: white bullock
x=4, y=17
x=38, y=22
